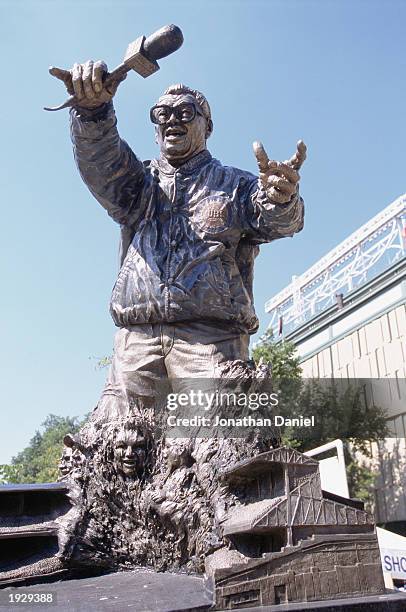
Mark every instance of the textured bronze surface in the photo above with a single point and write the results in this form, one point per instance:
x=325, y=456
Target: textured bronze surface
x=141, y=56
x=251, y=516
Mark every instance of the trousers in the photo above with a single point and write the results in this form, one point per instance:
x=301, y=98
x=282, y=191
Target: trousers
x=147, y=355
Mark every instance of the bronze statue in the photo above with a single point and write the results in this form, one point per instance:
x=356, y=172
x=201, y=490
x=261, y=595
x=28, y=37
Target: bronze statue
x=183, y=302
x=191, y=229
x=253, y=517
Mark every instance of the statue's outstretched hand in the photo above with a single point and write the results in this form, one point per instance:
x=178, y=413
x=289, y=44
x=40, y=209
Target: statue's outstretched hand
x=279, y=179
x=85, y=82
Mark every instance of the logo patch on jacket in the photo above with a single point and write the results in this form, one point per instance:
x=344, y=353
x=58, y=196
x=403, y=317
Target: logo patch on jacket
x=212, y=214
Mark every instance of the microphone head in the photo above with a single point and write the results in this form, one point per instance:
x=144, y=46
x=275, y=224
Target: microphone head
x=163, y=42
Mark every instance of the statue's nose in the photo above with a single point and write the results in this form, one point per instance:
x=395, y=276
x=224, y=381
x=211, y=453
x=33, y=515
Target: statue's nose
x=173, y=119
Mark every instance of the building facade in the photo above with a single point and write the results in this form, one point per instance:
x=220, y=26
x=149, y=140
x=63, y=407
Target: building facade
x=347, y=318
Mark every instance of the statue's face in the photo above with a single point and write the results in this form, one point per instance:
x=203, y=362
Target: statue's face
x=66, y=463
x=71, y=459
x=130, y=452
x=180, y=141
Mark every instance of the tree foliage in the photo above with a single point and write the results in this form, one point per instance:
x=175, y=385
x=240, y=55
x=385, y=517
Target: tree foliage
x=339, y=411
x=282, y=356
x=38, y=462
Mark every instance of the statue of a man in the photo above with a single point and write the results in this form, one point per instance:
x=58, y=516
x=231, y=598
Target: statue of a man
x=190, y=233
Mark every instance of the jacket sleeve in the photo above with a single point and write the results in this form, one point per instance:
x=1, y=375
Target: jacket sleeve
x=113, y=174
x=267, y=221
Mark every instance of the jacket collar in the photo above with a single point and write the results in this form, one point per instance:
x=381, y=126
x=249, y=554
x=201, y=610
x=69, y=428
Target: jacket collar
x=193, y=164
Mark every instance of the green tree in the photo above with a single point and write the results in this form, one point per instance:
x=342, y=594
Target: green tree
x=38, y=462
x=281, y=355
x=339, y=408
x=286, y=370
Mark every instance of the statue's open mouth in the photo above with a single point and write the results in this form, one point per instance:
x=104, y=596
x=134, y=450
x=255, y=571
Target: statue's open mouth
x=173, y=133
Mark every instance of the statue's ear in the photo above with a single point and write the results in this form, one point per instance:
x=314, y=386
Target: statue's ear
x=156, y=134
x=209, y=128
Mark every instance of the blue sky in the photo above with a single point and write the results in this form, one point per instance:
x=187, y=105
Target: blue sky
x=330, y=72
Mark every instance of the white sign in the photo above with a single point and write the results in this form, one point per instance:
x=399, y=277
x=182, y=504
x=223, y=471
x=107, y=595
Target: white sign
x=394, y=562
x=392, y=547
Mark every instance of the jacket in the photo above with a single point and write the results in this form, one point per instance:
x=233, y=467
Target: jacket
x=189, y=235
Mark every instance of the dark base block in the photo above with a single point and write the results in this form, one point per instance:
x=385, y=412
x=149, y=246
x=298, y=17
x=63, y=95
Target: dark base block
x=391, y=602
x=147, y=591
x=133, y=591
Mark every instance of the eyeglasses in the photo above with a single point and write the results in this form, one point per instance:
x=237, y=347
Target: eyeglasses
x=161, y=113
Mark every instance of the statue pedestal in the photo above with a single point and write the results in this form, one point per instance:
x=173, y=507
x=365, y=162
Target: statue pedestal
x=390, y=602
x=141, y=590
x=136, y=590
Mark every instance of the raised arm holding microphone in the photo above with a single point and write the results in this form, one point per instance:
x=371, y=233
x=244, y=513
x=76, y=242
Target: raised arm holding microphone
x=191, y=229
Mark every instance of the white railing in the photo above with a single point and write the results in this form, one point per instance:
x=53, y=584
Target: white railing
x=363, y=255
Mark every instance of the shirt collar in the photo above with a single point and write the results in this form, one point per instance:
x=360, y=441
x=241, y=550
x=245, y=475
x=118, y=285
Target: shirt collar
x=192, y=164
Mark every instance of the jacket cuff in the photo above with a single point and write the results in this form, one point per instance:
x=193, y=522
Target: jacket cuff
x=86, y=115
x=287, y=219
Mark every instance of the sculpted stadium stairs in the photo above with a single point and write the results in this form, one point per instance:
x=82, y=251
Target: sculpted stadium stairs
x=29, y=531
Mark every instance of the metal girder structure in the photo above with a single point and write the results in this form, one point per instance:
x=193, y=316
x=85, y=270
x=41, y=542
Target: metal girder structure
x=363, y=255
x=311, y=511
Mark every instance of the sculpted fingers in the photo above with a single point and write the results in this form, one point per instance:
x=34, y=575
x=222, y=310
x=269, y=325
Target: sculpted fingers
x=283, y=169
x=298, y=158
x=282, y=182
x=277, y=196
x=87, y=78
x=86, y=82
x=282, y=185
x=301, y=152
x=280, y=179
x=99, y=69
x=77, y=81
x=262, y=157
x=59, y=73
x=63, y=75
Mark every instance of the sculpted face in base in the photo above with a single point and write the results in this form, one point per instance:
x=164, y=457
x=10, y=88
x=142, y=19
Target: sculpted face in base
x=73, y=455
x=65, y=466
x=130, y=452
